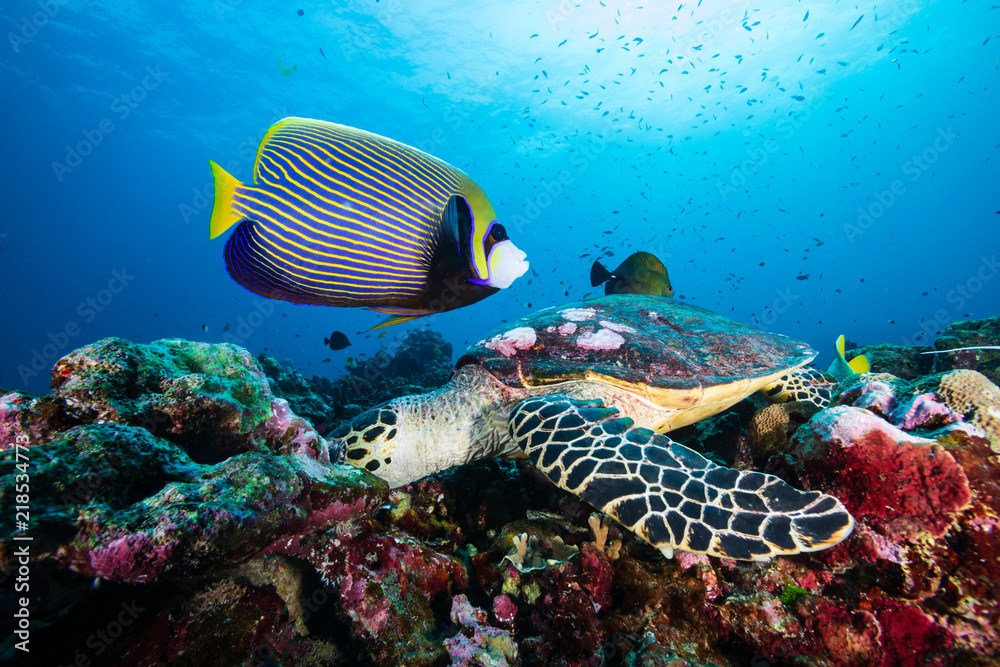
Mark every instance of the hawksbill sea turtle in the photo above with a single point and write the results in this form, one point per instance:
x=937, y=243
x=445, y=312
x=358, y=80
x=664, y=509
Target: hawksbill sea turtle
x=586, y=391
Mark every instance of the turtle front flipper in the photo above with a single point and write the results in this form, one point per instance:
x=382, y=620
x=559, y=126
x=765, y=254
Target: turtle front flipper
x=667, y=494
x=803, y=384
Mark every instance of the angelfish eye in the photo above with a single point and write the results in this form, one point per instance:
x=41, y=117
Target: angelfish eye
x=498, y=233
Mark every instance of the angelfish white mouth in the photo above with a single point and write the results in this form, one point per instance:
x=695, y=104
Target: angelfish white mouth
x=506, y=264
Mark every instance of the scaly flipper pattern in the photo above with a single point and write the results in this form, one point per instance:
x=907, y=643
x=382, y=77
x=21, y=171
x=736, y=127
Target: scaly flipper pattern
x=667, y=494
x=803, y=384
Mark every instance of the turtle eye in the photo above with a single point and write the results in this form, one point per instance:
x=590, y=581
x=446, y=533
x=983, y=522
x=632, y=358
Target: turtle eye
x=498, y=233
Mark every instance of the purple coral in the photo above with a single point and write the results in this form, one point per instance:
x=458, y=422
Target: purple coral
x=476, y=642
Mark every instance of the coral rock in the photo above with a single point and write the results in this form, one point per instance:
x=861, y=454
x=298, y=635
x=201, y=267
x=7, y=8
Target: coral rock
x=212, y=400
x=477, y=643
x=116, y=502
x=970, y=333
x=771, y=427
x=15, y=411
x=973, y=395
x=902, y=485
x=302, y=394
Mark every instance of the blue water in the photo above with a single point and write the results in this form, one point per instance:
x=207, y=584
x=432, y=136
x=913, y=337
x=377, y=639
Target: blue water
x=747, y=146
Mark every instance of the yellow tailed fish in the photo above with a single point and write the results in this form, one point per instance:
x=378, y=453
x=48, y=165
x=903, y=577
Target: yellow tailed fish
x=337, y=216
x=640, y=273
x=841, y=368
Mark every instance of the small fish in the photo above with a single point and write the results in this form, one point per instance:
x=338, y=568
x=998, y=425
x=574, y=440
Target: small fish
x=341, y=217
x=336, y=341
x=285, y=71
x=640, y=273
x=204, y=327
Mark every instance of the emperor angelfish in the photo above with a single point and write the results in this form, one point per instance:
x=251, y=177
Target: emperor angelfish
x=640, y=273
x=337, y=216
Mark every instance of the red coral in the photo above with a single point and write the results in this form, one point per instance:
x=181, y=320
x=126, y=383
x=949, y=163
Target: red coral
x=901, y=485
x=852, y=637
x=911, y=637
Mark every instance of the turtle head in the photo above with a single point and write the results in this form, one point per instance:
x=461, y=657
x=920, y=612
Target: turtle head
x=369, y=441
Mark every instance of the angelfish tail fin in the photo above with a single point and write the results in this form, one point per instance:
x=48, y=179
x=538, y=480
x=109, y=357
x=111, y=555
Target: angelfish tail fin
x=223, y=215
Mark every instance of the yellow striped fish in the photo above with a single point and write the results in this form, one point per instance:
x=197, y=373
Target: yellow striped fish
x=337, y=216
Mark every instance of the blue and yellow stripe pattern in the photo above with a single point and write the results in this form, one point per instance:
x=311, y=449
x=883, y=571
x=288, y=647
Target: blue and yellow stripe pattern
x=341, y=217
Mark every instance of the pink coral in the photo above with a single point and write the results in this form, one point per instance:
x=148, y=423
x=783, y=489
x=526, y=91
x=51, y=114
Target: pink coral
x=922, y=412
x=602, y=339
x=568, y=329
x=14, y=408
x=504, y=608
x=521, y=338
x=578, y=314
x=476, y=642
x=872, y=395
x=615, y=326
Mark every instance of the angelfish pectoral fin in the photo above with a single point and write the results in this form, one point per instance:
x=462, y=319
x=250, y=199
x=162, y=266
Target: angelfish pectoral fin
x=667, y=494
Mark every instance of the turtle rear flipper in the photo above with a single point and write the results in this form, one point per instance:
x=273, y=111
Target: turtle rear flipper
x=667, y=494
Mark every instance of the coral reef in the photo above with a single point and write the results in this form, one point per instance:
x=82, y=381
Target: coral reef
x=305, y=397
x=772, y=427
x=183, y=478
x=421, y=361
x=910, y=362
x=477, y=643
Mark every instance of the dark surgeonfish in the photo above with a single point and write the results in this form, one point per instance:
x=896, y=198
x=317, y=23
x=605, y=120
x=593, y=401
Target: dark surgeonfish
x=641, y=273
x=341, y=217
x=337, y=341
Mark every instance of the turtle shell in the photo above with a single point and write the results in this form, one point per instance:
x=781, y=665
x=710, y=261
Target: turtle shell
x=660, y=347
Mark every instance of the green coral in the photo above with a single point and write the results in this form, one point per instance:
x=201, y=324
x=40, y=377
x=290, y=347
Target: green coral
x=792, y=594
